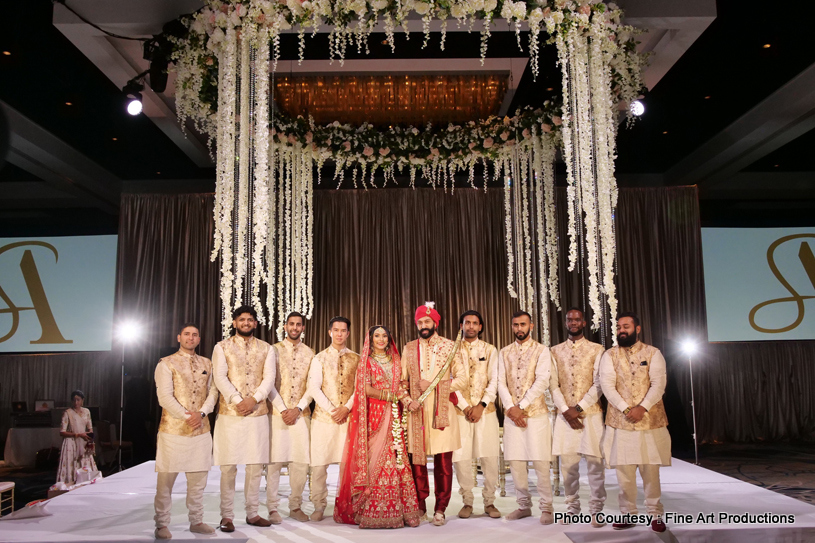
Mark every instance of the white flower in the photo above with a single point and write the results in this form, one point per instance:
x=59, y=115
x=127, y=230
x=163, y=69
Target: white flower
x=217, y=36
x=535, y=17
x=557, y=17
x=380, y=4
x=240, y=10
x=506, y=11
x=197, y=26
x=422, y=7
x=457, y=11
x=490, y=5
x=519, y=10
x=476, y=5
x=295, y=6
x=358, y=6
x=221, y=19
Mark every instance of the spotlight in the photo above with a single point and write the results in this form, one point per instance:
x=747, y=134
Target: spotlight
x=689, y=346
x=133, y=91
x=637, y=108
x=128, y=331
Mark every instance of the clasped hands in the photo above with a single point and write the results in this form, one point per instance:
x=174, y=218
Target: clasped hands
x=572, y=416
x=635, y=414
x=517, y=415
x=473, y=413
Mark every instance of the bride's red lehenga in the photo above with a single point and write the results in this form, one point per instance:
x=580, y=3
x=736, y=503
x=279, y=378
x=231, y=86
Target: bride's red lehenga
x=376, y=492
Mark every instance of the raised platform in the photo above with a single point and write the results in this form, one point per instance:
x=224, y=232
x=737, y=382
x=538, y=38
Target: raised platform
x=120, y=508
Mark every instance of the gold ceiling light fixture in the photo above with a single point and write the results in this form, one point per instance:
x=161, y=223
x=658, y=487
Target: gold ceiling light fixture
x=392, y=99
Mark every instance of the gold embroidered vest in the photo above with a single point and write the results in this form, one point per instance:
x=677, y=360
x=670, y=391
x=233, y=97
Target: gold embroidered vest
x=575, y=370
x=244, y=360
x=520, y=374
x=476, y=359
x=291, y=380
x=339, y=372
x=191, y=375
x=633, y=382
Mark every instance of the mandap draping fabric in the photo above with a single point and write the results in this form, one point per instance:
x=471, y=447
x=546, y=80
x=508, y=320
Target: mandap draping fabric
x=449, y=248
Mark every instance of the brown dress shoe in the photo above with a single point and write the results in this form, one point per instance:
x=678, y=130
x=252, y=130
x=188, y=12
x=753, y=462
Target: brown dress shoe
x=317, y=515
x=492, y=511
x=298, y=514
x=226, y=525
x=275, y=518
x=466, y=511
x=258, y=521
x=622, y=525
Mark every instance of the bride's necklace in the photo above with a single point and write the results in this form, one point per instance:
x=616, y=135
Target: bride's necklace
x=382, y=357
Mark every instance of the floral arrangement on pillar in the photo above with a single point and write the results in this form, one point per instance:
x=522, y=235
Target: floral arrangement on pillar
x=265, y=161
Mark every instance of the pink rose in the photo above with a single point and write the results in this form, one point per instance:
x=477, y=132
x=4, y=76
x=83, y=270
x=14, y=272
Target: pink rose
x=511, y=142
x=504, y=135
x=546, y=128
x=292, y=138
x=471, y=145
x=488, y=143
x=347, y=145
x=209, y=61
x=368, y=151
x=557, y=120
x=434, y=151
x=546, y=12
x=385, y=151
x=585, y=9
x=526, y=133
x=309, y=137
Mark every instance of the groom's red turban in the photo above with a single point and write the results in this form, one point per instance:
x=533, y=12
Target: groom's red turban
x=427, y=310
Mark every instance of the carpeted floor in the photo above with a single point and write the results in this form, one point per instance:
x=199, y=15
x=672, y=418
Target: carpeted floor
x=785, y=468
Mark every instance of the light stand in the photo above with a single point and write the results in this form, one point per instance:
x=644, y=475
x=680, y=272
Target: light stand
x=690, y=347
x=128, y=331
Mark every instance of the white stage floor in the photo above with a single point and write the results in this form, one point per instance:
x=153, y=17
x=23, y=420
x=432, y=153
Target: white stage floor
x=120, y=508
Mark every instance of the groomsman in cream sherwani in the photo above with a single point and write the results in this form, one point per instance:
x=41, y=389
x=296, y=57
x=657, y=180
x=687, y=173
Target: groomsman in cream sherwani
x=477, y=418
x=290, y=420
x=433, y=430
x=524, y=369
x=575, y=388
x=244, y=369
x=186, y=394
x=331, y=384
x=633, y=377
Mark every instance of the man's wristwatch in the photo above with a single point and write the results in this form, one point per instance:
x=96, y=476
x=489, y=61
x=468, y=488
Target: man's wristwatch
x=627, y=411
x=203, y=415
x=579, y=409
x=483, y=404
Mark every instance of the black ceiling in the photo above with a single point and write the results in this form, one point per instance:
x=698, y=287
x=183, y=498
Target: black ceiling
x=723, y=75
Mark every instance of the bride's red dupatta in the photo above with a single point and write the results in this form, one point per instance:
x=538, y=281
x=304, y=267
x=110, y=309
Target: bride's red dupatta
x=355, y=480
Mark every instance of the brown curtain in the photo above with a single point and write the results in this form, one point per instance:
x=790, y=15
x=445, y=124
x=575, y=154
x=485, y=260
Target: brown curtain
x=380, y=253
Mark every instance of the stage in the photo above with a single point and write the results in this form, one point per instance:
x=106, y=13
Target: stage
x=120, y=508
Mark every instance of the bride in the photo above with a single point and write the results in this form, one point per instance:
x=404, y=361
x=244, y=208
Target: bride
x=376, y=484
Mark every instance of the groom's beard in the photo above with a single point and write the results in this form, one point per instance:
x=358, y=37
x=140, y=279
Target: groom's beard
x=626, y=340
x=427, y=333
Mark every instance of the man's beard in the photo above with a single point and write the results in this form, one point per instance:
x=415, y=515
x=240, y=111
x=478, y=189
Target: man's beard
x=521, y=336
x=470, y=333
x=244, y=334
x=427, y=333
x=627, y=340
x=579, y=331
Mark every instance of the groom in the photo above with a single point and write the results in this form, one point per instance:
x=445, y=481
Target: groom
x=432, y=430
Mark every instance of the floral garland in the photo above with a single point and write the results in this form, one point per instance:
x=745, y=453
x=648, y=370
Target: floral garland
x=196, y=56
x=399, y=426
x=435, y=153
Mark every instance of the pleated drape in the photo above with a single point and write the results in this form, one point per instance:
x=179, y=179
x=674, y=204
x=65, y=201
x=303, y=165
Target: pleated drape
x=380, y=253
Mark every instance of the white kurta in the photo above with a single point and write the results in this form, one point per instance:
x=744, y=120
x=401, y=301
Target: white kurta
x=241, y=440
x=626, y=447
x=533, y=443
x=175, y=453
x=327, y=438
x=289, y=443
x=480, y=439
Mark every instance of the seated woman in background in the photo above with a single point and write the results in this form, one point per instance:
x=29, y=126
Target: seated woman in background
x=77, y=445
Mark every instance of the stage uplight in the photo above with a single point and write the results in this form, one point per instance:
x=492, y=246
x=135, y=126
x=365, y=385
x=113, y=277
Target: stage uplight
x=637, y=108
x=129, y=331
x=689, y=347
x=134, y=107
